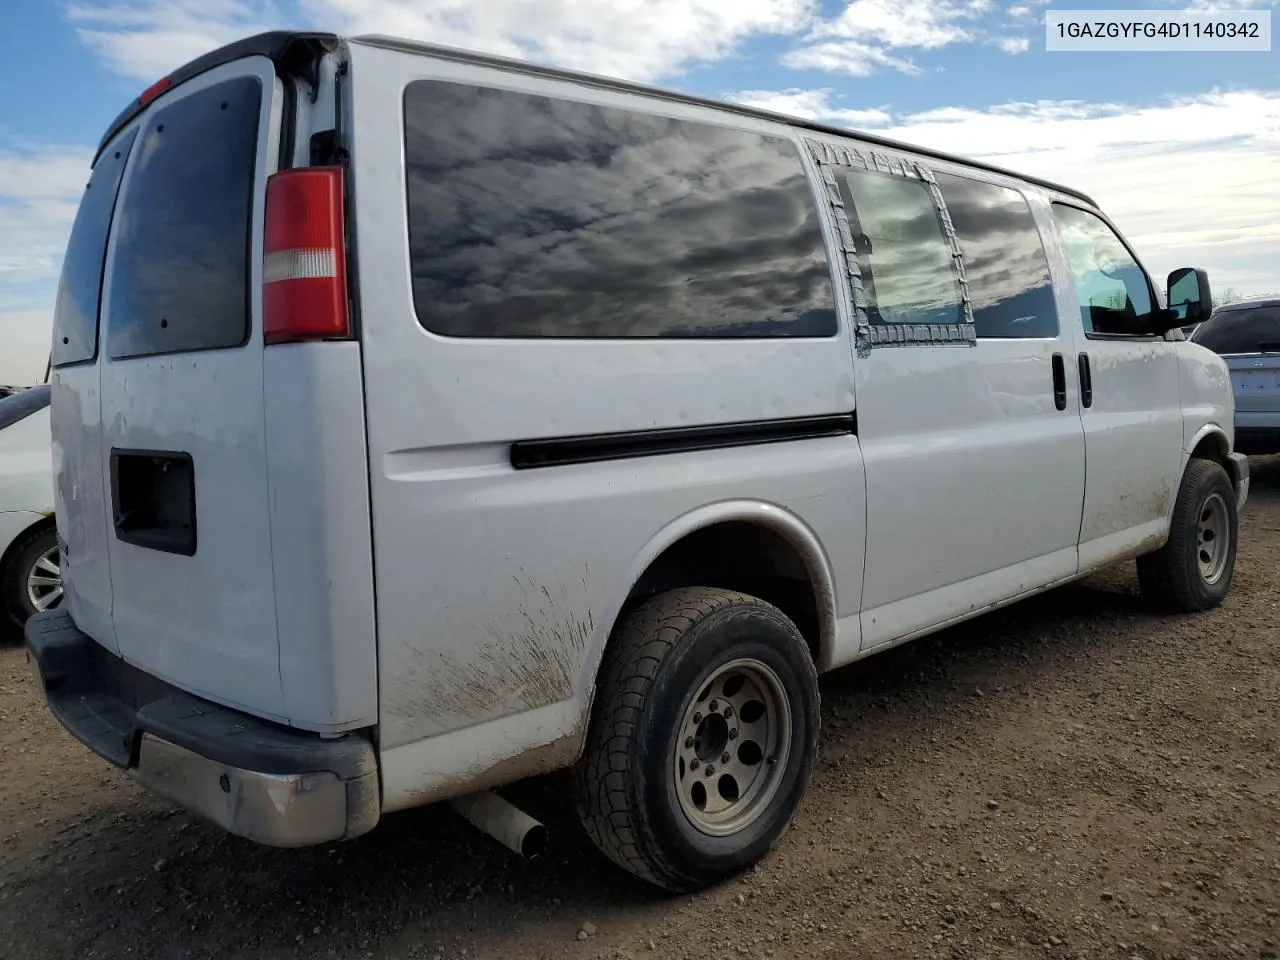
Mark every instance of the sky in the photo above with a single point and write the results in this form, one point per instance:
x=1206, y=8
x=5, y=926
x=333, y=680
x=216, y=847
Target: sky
x=1181, y=149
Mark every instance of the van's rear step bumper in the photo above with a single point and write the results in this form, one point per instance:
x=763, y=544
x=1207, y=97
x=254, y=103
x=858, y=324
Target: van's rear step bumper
x=256, y=779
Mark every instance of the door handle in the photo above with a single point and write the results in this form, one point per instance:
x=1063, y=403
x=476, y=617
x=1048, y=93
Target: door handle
x=1086, y=381
x=1059, y=382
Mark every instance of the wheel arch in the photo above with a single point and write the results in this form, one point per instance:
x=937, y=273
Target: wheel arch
x=1211, y=443
x=769, y=543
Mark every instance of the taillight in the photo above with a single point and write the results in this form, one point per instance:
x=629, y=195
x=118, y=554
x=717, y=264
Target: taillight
x=304, y=270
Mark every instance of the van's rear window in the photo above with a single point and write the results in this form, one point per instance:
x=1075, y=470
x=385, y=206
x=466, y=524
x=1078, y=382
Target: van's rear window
x=180, y=265
x=75, y=317
x=1242, y=330
x=538, y=217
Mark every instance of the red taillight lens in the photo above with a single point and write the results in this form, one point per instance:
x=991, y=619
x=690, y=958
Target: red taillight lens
x=304, y=270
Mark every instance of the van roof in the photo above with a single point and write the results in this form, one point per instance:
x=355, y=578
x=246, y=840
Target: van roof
x=1250, y=304
x=281, y=46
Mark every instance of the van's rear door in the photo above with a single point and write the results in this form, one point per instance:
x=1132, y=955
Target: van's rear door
x=183, y=450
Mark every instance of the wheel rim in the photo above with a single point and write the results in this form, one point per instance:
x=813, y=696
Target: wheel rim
x=732, y=747
x=1213, y=538
x=44, y=581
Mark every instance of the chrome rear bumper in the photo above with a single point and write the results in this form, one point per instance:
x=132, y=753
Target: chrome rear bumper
x=271, y=784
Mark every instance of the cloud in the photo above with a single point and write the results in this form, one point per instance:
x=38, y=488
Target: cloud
x=40, y=187
x=25, y=335
x=811, y=105
x=635, y=39
x=1189, y=181
x=866, y=34
x=1218, y=5
x=1014, y=45
x=145, y=39
x=39, y=190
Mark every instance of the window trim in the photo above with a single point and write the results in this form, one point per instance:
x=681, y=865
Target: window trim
x=830, y=159
x=799, y=149
x=1151, y=291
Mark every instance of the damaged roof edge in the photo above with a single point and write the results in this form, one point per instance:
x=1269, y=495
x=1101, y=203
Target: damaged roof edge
x=660, y=93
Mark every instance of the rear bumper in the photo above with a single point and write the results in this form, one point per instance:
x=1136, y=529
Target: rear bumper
x=1238, y=465
x=1258, y=441
x=255, y=779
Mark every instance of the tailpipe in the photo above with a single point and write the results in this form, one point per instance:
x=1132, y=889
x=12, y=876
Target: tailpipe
x=510, y=826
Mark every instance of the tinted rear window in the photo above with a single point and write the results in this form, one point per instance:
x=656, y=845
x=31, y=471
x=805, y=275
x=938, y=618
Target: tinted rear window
x=536, y=217
x=1249, y=330
x=75, y=318
x=180, y=266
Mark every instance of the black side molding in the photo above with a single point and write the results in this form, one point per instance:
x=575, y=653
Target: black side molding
x=594, y=448
x=292, y=52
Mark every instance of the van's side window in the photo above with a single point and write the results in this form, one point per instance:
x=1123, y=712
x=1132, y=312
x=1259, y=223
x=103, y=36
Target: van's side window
x=1004, y=261
x=1114, y=294
x=903, y=254
x=537, y=217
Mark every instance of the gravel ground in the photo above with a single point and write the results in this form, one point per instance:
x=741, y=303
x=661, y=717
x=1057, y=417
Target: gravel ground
x=1072, y=777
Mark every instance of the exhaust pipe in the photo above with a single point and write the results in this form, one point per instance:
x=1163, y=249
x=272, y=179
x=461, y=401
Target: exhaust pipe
x=511, y=827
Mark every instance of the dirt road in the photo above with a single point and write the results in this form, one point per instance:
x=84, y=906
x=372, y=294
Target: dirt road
x=1073, y=777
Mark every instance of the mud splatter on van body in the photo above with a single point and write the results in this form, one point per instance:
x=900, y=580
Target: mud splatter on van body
x=529, y=658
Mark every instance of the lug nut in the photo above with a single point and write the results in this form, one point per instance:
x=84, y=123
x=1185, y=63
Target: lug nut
x=694, y=763
x=697, y=718
x=715, y=705
x=711, y=769
x=728, y=712
x=733, y=734
x=724, y=757
x=688, y=742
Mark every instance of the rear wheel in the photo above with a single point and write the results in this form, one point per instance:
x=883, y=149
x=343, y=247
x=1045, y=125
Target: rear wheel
x=31, y=580
x=702, y=738
x=1193, y=570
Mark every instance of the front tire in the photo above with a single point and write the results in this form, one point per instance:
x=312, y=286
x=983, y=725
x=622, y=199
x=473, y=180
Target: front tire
x=702, y=737
x=1194, y=569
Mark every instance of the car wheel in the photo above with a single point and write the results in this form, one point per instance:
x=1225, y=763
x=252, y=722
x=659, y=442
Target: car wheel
x=702, y=738
x=1193, y=570
x=31, y=580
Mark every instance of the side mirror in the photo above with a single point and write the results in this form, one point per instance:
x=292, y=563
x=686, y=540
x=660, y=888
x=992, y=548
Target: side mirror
x=1190, y=298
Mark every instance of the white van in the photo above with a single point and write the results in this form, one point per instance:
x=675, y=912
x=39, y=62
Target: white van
x=424, y=421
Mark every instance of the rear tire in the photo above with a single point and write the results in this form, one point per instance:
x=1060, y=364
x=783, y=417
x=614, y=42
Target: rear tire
x=22, y=581
x=698, y=678
x=1194, y=569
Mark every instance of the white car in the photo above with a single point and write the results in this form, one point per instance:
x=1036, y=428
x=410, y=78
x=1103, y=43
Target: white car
x=29, y=563
x=425, y=421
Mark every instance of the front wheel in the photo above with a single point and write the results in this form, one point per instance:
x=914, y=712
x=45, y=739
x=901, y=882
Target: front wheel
x=1193, y=570
x=702, y=739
